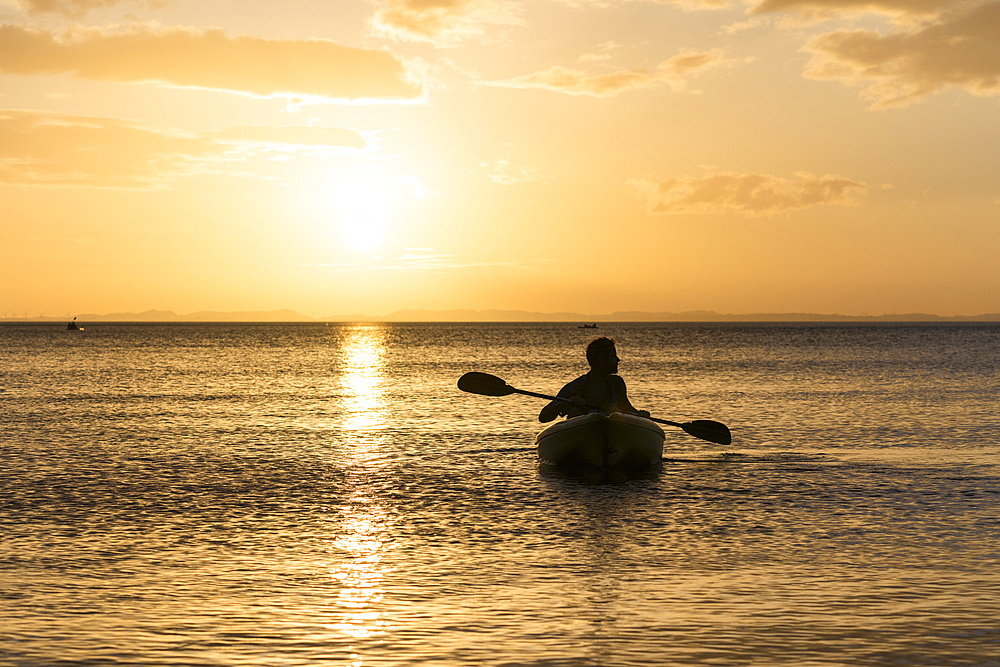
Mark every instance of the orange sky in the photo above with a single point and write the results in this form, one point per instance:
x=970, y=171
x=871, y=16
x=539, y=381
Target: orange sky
x=348, y=156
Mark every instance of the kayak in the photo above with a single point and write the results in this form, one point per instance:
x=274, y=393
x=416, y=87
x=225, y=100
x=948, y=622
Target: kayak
x=604, y=441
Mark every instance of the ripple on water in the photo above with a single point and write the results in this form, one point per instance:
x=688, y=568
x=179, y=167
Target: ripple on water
x=295, y=496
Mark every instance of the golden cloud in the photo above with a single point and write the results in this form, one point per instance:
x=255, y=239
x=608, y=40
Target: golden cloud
x=688, y=5
x=673, y=72
x=209, y=59
x=959, y=49
x=750, y=194
x=77, y=8
x=442, y=22
x=504, y=174
x=39, y=148
x=314, y=137
x=850, y=6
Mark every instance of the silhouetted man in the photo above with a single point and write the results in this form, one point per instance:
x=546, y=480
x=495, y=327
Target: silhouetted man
x=600, y=389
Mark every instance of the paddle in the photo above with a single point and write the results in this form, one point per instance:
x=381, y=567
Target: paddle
x=490, y=385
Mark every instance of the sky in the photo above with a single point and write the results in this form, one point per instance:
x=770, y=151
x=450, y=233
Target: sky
x=592, y=156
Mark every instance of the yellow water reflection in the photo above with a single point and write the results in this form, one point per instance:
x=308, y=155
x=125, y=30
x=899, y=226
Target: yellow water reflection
x=359, y=541
x=362, y=378
x=360, y=570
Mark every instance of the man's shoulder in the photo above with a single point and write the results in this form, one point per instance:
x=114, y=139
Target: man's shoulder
x=617, y=380
x=570, y=389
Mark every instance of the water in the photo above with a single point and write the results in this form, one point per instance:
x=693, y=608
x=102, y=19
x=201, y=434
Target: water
x=192, y=494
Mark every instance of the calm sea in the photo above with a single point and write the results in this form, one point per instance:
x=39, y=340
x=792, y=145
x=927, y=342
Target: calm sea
x=240, y=494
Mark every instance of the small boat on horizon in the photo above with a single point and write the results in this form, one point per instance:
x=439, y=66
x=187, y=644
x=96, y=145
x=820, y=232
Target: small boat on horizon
x=588, y=326
x=73, y=326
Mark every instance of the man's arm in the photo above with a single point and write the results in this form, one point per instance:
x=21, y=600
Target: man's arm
x=625, y=405
x=558, y=408
x=551, y=411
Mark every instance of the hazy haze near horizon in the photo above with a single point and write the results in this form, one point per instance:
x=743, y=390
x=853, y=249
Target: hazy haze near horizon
x=495, y=316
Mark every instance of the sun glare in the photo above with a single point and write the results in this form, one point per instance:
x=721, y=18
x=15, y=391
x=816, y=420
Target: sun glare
x=365, y=204
x=363, y=207
x=362, y=204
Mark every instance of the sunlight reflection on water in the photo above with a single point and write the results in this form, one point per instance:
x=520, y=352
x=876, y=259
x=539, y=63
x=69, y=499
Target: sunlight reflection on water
x=363, y=378
x=358, y=547
x=359, y=570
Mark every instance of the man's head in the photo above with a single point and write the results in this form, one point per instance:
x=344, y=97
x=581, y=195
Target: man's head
x=602, y=355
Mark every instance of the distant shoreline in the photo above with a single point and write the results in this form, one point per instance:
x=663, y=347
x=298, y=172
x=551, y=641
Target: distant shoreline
x=509, y=316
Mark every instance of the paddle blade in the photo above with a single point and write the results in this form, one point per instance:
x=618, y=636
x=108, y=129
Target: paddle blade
x=708, y=430
x=484, y=384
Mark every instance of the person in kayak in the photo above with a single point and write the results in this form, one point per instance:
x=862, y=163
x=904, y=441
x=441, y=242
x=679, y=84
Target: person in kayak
x=600, y=389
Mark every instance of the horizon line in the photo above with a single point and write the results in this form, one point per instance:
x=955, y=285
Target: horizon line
x=459, y=315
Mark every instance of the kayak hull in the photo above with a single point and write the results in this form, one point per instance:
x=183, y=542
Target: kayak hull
x=616, y=441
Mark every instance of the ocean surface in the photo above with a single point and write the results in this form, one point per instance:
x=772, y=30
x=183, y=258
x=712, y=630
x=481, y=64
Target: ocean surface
x=301, y=494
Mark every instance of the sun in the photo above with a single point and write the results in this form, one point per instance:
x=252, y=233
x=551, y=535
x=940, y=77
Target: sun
x=365, y=205
x=362, y=205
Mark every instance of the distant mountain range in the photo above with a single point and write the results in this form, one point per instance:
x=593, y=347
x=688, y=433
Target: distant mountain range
x=503, y=316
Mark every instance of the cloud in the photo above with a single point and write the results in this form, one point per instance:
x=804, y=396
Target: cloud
x=750, y=194
x=687, y=5
x=504, y=174
x=38, y=148
x=673, y=72
x=442, y=22
x=604, y=55
x=294, y=138
x=77, y=8
x=749, y=24
x=421, y=260
x=960, y=49
x=209, y=59
x=828, y=7
x=696, y=5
